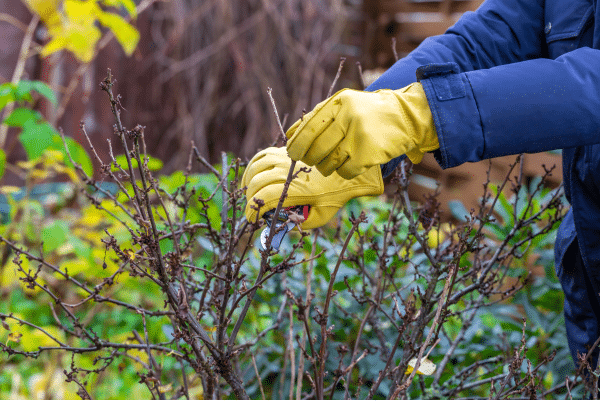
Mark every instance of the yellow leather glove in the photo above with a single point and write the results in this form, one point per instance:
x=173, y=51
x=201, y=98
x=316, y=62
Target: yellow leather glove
x=354, y=130
x=267, y=172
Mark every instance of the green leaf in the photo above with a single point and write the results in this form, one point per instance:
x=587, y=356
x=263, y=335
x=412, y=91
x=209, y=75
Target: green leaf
x=154, y=164
x=322, y=270
x=505, y=209
x=77, y=152
x=82, y=249
x=44, y=90
x=23, y=91
x=499, y=231
x=55, y=235
x=465, y=260
x=6, y=88
x=166, y=245
x=6, y=94
x=37, y=138
x=370, y=256
x=340, y=286
x=5, y=99
x=21, y=116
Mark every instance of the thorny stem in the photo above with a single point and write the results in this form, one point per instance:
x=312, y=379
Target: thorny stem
x=319, y=377
x=265, y=253
x=106, y=85
x=337, y=76
x=178, y=300
x=263, y=264
x=441, y=305
x=305, y=332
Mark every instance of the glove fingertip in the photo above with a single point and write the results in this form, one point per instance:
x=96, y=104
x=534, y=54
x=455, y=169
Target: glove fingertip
x=415, y=156
x=292, y=130
x=253, y=215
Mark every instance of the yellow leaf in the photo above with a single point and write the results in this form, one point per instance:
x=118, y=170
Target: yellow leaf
x=9, y=277
x=68, y=171
x=165, y=388
x=35, y=339
x=57, y=43
x=79, y=39
x=75, y=30
x=9, y=274
x=82, y=41
x=427, y=367
x=90, y=217
x=29, y=164
x=9, y=189
x=76, y=266
x=15, y=337
x=37, y=173
x=52, y=157
x=130, y=254
x=46, y=9
x=82, y=12
x=125, y=33
x=142, y=355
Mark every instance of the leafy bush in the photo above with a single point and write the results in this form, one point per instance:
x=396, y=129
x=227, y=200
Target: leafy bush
x=36, y=134
x=161, y=291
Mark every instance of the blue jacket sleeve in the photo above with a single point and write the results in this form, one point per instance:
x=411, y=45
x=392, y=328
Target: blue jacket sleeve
x=524, y=107
x=499, y=32
x=508, y=99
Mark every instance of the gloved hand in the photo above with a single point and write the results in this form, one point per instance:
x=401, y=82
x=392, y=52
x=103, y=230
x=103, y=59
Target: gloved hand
x=354, y=130
x=267, y=172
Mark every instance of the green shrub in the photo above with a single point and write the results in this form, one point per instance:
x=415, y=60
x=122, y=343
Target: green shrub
x=161, y=291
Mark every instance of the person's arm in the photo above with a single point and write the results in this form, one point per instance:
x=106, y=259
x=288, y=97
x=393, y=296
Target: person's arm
x=499, y=32
x=524, y=107
x=508, y=99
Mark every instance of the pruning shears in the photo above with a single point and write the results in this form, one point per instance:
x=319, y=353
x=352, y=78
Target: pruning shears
x=288, y=219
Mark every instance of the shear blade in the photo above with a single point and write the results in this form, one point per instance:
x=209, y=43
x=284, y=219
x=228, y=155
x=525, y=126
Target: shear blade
x=277, y=238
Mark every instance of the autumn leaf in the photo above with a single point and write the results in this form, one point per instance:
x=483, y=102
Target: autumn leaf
x=427, y=367
x=165, y=388
x=74, y=26
x=125, y=33
x=15, y=337
x=46, y=9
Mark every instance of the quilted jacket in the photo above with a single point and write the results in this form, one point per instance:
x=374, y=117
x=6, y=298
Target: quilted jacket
x=523, y=76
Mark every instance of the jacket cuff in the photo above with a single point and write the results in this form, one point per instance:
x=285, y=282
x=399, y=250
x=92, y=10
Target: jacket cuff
x=455, y=114
x=389, y=167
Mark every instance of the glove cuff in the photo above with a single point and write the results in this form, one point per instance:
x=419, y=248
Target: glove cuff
x=416, y=111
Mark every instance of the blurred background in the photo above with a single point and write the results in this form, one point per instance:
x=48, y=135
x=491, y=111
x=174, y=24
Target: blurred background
x=201, y=70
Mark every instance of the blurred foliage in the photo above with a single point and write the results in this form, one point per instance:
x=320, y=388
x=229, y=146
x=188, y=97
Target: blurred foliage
x=73, y=25
x=68, y=233
x=37, y=135
x=71, y=240
x=488, y=341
